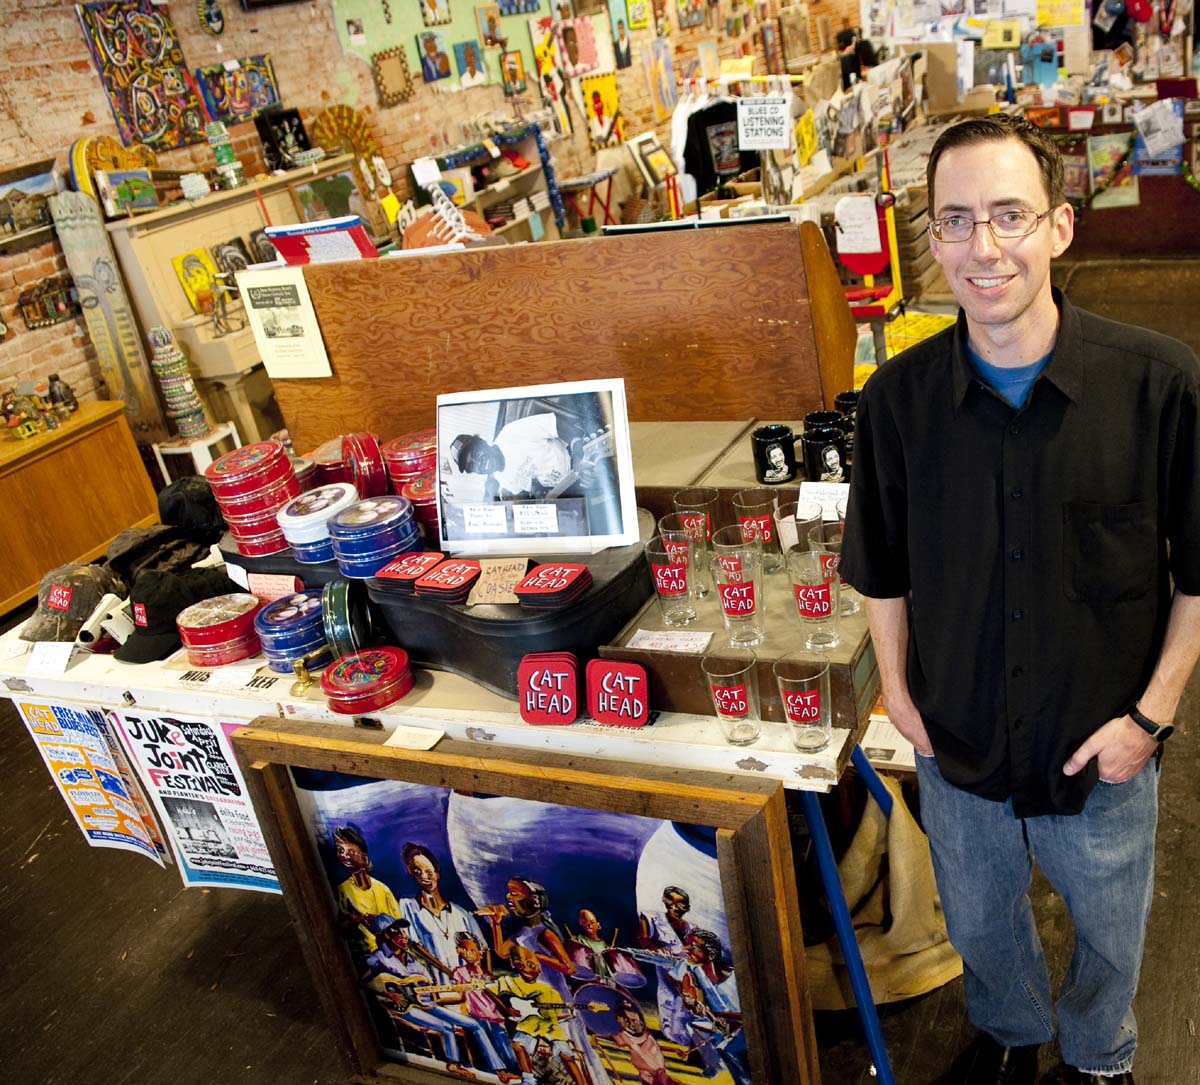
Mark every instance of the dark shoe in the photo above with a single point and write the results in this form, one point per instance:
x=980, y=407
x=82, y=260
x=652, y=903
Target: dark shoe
x=986, y=1062
x=1068, y=1075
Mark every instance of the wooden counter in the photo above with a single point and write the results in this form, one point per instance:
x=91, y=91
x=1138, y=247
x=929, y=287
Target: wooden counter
x=66, y=493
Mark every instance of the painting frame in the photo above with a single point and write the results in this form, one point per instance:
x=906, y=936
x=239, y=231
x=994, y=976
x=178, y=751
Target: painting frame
x=305, y=206
x=645, y=151
x=747, y=814
x=33, y=219
x=393, y=77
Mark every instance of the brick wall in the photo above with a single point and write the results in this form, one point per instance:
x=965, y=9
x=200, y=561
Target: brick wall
x=50, y=95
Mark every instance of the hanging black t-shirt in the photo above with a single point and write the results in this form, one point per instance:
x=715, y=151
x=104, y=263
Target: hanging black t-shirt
x=711, y=150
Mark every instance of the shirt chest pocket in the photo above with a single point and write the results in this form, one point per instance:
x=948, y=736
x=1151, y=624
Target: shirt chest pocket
x=1109, y=551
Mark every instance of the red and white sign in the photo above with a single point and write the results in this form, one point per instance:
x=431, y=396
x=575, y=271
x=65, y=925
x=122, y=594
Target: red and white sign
x=616, y=692
x=803, y=706
x=450, y=574
x=696, y=524
x=813, y=601
x=737, y=600
x=59, y=597
x=731, y=566
x=670, y=579
x=139, y=615
x=731, y=700
x=411, y=566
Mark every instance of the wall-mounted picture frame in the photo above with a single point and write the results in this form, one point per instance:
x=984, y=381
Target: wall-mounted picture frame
x=393, y=80
x=535, y=470
x=25, y=193
x=588, y=904
x=328, y=194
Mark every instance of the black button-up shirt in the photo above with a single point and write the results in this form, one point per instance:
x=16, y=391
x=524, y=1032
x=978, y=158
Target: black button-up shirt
x=1037, y=544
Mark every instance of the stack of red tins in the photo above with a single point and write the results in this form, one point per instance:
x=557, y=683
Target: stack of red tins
x=409, y=456
x=220, y=630
x=250, y=484
x=422, y=492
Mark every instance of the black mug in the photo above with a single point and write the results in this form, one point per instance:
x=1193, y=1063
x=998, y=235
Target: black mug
x=825, y=454
x=830, y=419
x=774, y=449
x=847, y=402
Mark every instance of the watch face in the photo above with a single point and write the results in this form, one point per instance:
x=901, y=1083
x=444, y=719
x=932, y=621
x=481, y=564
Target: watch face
x=1164, y=732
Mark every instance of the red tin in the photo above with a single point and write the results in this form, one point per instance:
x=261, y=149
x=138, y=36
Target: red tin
x=219, y=620
x=268, y=498
x=305, y=471
x=402, y=451
x=361, y=454
x=247, y=469
x=330, y=465
x=217, y=655
x=367, y=681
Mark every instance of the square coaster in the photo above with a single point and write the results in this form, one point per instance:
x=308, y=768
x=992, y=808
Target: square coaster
x=616, y=692
x=548, y=688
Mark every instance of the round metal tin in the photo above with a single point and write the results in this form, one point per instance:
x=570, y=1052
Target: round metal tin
x=328, y=459
x=363, y=565
x=371, y=524
x=291, y=620
x=217, y=655
x=367, y=681
x=305, y=518
x=346, y=614
x=265, y=499
x=360, y=452
x=261, y=546
x=247, y=468
x=282, y=663
x=305, y=471
x=419, y=445
x=422, y=490
x=313, y=553
x=218, y=620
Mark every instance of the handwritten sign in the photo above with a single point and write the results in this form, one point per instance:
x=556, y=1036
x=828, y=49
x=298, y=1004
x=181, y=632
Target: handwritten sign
x=497, y=578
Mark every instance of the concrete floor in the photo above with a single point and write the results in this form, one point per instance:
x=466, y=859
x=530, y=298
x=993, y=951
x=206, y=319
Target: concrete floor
x=111, y=973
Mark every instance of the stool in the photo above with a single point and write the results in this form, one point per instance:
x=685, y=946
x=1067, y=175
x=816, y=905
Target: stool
x=199, y=448
x=590, y=182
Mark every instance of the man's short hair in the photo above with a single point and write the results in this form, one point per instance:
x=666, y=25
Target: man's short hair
x=410, y=851
x=995, y=129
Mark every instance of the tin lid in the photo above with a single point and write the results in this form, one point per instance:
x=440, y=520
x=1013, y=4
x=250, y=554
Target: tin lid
x=360, y=452
x=422, y=490
x=303, y=467
x=290, y=616
x=418, y=445
x=366, y=673
x=346, y=614
x=218, y=620
x=368, y=517
x=315, y=508
x=247, y=463
x=329, y=454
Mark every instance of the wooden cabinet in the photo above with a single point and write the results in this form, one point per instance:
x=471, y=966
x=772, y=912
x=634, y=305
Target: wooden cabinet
x=227, y=367
x=66, y=493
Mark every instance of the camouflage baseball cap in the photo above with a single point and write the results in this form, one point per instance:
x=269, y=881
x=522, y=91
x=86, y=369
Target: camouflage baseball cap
x=66, y=598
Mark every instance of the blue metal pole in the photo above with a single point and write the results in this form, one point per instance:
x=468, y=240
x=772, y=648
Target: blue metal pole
x=845, y=932
x=871, y=778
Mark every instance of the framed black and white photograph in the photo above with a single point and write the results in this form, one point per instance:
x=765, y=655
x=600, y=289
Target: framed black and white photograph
x=543, y=469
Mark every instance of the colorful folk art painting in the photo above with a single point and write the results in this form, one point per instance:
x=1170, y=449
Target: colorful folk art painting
x=136, y=51
x=605, y=127
x=533, y=941
x=237, y=94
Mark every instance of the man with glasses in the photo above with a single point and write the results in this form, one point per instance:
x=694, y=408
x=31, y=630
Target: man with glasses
x=1024, y=491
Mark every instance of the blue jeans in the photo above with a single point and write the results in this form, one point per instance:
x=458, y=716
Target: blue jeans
x=1102, y=863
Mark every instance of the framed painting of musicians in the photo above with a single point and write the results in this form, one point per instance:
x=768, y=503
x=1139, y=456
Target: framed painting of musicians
x=535, y=919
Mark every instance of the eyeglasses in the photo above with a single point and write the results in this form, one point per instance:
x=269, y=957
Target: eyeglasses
x=1007, y=225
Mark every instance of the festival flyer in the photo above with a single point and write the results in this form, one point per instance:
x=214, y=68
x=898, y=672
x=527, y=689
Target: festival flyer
x=74, y=743
x=194, y=781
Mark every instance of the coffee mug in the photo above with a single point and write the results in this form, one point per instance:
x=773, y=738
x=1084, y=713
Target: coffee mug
x=825, y=454
x=774, y=449
x=831, y=419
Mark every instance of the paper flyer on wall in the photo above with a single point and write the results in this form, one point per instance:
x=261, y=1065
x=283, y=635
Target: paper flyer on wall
x=74, y=743
x=284, y=323
x=196, y=786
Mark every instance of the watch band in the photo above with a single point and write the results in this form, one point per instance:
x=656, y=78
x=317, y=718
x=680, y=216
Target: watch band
x=1160, y=732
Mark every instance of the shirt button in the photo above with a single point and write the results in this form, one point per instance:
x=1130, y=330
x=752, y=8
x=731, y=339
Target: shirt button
x=1015, y=428
x=1017, y=672
x=1016, y=553
x=1017, y=614
x=1018, y=723
x=1016, y=492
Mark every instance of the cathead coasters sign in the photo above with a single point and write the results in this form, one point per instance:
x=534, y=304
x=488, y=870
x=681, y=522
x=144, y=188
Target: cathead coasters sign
x=190, y=771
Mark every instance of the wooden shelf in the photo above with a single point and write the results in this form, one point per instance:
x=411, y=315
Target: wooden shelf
x=517, y=222
x=499, y=190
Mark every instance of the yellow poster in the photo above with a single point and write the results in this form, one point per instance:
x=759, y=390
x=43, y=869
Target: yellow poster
x=1060, y=13
x=806, y=137
x=603, y=110
x=1002, y=34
